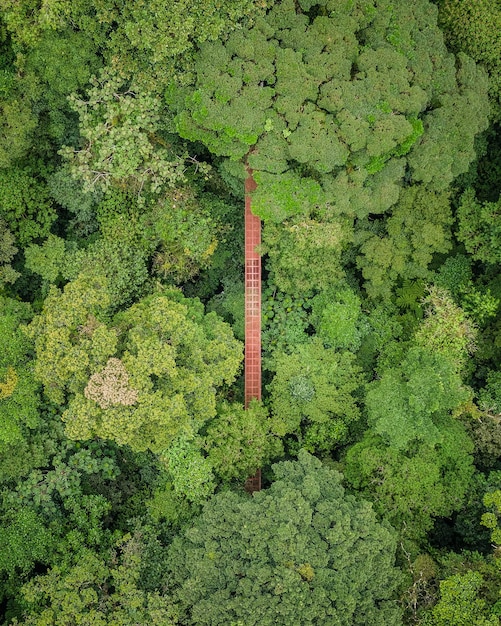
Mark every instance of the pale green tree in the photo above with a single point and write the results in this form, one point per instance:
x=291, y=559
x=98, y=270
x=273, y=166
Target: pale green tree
x=142, y=379
x=461, y=603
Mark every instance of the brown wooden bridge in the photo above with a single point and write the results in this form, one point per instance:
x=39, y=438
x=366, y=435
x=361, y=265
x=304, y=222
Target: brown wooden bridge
x=252, y=361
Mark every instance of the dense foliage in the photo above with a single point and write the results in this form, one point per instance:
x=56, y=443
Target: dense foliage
x=372, y=128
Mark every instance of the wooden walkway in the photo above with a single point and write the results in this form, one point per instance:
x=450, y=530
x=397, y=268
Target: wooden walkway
x=252, y=359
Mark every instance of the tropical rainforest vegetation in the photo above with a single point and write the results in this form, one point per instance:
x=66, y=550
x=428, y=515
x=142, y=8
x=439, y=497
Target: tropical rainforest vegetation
x=373, y=130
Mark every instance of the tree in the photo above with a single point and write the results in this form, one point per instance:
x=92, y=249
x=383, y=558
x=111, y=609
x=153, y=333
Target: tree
x=460, y=604
x=305, y=254
x=239, y=441
x=406, y=401
x=479, y=227
x=172, y=358
x=187, y=227
x=141, y=380
x=319, y=556
x=446, y=330
x=7, y=252
x=99, y=589
x=18, y=123
x=411, y=487
x=474, y=28
x=285, y=320
x=337, y=318
x=66, y=332
x=381, y=106
x=418, y=226
x=312, y=395
x=25, y=204
x=132, y=153
x=19, y=392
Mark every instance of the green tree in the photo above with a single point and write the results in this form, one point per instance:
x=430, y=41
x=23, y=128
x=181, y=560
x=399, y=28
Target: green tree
x=99, y=589
x=239, y=441
x=170, y=359
x=402, y=247
x=69, y=336
x=19, y=392
x=411, y=487
x=284, y=322
x=460, y=604
x=312, y=395
x=478, y=227
x=305, y=254
x=406, y=401
x=18, y=123
x=319, y=557
x=154, y=40
x=7, y=252
x=337, y=318
x=446, y=330
x=474, y=27
x=186, y=226
x=456, y=276
x=142, y=379
x=25, y=204
x=122, y=142
x=381, y=106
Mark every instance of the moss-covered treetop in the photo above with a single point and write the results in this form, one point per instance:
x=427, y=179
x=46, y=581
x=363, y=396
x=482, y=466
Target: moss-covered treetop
x=361, y=94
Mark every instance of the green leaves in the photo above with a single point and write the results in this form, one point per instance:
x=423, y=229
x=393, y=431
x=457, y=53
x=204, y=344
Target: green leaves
x=101, y=589
x=411, y=487
x=474, y=28
x=402, y=247
x=239, y=441
x=25, y=204
x=301, y=567
x=19, y=392
x=7, y=251
x=446, y=330
x=167, y=360
x=312, y=395
x=122, y=145
x=23, y=541
x=460, y=603
x=63, y=335
x=479, y=227
x=404, y=404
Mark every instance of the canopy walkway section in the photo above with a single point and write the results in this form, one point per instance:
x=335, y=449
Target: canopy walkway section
x=252, y=360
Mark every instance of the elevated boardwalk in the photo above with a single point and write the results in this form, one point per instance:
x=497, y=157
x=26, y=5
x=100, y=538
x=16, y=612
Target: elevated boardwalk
x=252, y=360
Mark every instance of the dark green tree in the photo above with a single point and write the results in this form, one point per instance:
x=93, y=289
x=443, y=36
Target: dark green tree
x=411, y=487
x=239, y=441
x=380, y=104
x=319, y=556
x=474, y=27
x=478, y=227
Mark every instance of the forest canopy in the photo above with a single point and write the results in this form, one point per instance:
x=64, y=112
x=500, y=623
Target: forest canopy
x=127, y=129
